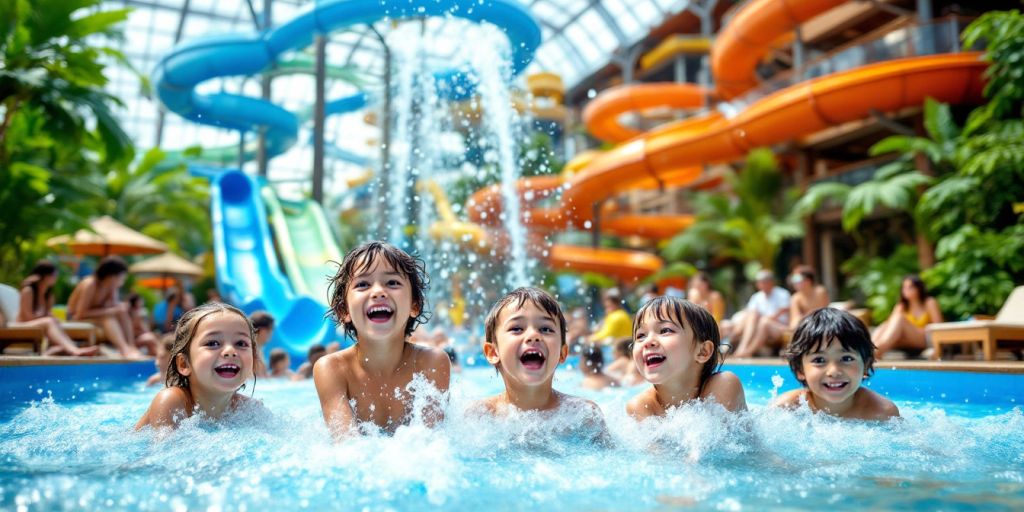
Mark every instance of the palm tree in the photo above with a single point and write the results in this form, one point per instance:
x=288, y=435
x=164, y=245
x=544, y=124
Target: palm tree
x=56, y=127
x=748, y=224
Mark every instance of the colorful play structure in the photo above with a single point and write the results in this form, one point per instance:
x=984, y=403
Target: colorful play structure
x=724, y=123
x=672, y=155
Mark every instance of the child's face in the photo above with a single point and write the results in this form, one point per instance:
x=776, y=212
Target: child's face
x=379, y=302
x=220, y=354
x=263, y=335
x=664, y=350
x=832, y=373
x=528, y=344
x=281, y=365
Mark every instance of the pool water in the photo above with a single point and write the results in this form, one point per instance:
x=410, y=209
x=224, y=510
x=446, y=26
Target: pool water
x=959, y=446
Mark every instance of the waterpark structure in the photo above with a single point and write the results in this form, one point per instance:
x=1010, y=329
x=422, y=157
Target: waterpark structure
x=725, y=118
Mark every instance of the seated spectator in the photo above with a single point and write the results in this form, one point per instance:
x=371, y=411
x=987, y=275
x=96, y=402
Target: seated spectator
x=765, y=318
x=702, y=294
x=96, y=300
x=36, y=301
x=139, y=315
x=809, y=296
x=905, y=327
x=616, y=324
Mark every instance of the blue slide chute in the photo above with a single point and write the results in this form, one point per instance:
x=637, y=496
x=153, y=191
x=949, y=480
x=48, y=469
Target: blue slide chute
x=248, y=273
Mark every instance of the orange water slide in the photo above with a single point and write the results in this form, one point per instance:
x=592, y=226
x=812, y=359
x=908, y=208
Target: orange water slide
x=745, y=40
x=602, y=115
x=800, y=110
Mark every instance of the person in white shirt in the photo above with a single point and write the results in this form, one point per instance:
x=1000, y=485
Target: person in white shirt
x=765, y=318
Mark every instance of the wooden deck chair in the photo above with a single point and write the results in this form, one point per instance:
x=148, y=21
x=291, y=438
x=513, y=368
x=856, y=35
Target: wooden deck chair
x=78, y=331
x=1006, y=330
x=13, y=333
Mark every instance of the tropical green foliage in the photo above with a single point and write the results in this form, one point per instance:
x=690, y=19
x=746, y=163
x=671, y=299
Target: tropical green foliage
x=971, y=208
x=64, y=159
x=747, y=225
x=879, y=278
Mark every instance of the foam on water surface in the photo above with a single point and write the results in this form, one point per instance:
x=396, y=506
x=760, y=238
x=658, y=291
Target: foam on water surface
x=85, y=455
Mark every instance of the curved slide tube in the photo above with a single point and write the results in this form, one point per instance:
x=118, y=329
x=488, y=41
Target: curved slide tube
x=177, y=74
x=305, y=242
x=797, y=111
x=247, y=269
x=602, y=114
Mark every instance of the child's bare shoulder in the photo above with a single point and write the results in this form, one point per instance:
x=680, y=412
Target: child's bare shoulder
x=334, y=366
x=873, y=406
x=790, y=399
x=727, y=390
x=426, y=357
x=643, y=405
x=169, y=405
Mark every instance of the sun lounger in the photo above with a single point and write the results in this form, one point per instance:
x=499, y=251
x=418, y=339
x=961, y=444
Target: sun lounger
x=15, y=333
x=1006, y=330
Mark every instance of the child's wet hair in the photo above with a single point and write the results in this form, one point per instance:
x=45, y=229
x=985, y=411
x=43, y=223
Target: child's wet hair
x=186, y=330
x=675, y=309
x=518, y=298
x=362, y=259
x=817, y=329
x=592, y=358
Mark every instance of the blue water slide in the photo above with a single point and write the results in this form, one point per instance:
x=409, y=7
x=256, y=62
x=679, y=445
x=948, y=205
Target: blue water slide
x=248, y=273
x=178, y=73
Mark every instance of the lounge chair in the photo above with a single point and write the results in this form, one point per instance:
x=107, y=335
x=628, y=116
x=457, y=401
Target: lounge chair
x=12, y=333
x=1006, y=330
x=10, y=300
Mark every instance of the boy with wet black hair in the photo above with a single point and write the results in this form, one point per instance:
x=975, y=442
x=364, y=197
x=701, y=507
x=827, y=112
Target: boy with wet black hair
x=379, y=296
x=525, y=341
x=592, y=367
x=831, y=354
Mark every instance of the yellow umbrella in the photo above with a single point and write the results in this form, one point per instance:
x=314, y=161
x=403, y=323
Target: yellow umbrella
x=107, y=237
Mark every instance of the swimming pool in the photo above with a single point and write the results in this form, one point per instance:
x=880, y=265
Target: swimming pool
x=960, y=446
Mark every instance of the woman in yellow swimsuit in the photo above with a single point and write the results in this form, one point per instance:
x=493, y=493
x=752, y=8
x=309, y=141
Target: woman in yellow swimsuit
x=905, y=327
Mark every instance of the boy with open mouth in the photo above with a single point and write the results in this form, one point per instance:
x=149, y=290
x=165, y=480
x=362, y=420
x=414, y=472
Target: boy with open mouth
x=379, y=296
x=525, y=335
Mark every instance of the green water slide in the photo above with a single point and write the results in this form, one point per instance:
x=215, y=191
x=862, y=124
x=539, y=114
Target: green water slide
x=305, y=243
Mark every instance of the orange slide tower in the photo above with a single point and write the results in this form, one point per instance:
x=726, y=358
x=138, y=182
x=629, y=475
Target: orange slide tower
x=672, y=153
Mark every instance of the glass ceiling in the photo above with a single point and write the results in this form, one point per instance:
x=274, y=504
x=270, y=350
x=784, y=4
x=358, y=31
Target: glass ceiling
x=579, y=37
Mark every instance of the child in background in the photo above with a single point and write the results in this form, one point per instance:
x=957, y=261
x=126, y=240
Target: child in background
x=622, y=368
x=211, y=360
x=378, y=295
x=675, y=347
x=305, y=371
x=140, y=324
x=831, y=354
x=163, y=358
x=263, y=322
x=525, y=341
x=280, y=364
x=592, y=366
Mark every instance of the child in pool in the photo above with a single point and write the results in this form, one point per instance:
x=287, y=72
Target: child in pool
x=675, y=347
x=592, y=367
x=525, y=341
x=280, y=364
x=831, y=353
x=163, y=358
x=378, y=294
x=210, y=361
